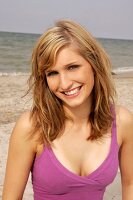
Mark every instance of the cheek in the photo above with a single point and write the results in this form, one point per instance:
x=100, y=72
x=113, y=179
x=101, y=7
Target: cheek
x=92, y=77
x=52, y=84
x=88, y=76
x=92, y=80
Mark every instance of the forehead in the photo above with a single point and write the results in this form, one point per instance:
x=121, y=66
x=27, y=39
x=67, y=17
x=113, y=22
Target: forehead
x=67, y=55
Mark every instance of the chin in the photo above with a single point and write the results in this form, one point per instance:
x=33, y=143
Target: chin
x=74, y=104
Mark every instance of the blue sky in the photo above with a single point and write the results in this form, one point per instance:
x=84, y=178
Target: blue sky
x=103, y=18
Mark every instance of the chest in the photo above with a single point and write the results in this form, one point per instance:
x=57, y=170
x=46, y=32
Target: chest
x=80, y=155
x=54, y=174
x=76, y=165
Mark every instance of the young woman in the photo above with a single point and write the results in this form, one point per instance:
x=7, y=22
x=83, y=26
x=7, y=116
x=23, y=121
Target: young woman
x=75, y=135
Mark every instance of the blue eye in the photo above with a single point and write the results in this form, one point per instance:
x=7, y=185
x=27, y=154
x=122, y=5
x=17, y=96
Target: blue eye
x=72, y=67
x=53, y=73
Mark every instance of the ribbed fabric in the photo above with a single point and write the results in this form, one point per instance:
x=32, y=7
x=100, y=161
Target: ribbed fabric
x=52, y=181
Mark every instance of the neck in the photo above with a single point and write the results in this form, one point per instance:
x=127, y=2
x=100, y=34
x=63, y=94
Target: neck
x=80, y=114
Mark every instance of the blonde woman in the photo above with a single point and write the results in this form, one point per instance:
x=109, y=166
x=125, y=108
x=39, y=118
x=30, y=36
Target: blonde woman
x=75, y=136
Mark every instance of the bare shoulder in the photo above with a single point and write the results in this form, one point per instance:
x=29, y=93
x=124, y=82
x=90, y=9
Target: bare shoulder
x=22, y=130
x=124, y=120
x=124, y=115
x=23, y=124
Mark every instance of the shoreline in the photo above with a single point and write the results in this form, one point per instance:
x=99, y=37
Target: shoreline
x=123, y=74
x=127, y=72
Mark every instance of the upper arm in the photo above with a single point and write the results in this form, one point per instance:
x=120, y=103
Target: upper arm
x=21, y=153
x=126, y=149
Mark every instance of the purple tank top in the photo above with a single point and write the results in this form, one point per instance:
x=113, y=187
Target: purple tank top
x=52, y=181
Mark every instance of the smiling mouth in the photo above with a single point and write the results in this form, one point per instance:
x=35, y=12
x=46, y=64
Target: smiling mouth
x=72, y=92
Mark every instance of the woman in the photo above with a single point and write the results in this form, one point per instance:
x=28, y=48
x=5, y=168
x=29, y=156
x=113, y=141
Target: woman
x=74, y=136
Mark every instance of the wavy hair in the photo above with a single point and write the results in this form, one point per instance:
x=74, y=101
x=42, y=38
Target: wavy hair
x=47, y=110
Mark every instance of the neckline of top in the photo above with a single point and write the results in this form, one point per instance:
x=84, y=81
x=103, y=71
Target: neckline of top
x=90, y=176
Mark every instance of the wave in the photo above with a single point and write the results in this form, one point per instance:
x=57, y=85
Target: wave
x=122, y=70
x=14, y=74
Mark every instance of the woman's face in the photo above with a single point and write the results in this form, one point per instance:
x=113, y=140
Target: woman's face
x=71, y=78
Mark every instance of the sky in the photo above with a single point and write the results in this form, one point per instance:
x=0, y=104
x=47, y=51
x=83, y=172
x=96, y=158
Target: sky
x=103, y=18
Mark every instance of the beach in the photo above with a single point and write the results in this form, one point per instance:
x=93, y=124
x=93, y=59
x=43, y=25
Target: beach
x=12, y=104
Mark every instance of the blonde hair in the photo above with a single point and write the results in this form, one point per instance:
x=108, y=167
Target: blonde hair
x=47, y=111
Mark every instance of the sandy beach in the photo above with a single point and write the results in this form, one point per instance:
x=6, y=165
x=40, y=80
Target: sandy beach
x=12, y=88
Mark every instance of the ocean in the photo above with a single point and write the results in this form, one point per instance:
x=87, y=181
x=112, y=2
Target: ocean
x=16, y=50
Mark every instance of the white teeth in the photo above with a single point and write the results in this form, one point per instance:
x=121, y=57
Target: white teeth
x=72, y=91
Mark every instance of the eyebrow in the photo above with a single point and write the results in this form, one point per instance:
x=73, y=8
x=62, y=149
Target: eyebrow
x=65, y=66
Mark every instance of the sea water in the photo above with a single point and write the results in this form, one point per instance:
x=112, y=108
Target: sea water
x=16, y=50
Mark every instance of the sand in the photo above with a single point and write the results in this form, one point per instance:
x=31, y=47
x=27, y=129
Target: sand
x=12, y=88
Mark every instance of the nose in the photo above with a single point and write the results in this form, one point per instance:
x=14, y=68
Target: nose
x=65, y=82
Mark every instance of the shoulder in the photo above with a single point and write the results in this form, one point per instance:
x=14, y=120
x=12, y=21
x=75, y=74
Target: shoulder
x=124, y=116
x=124, y=121
x=24, y=123
x=22, y=131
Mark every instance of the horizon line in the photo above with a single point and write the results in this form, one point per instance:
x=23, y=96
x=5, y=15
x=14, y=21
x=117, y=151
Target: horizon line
x=98, y=37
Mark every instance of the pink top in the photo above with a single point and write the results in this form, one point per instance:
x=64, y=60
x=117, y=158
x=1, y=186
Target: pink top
x=53, y=181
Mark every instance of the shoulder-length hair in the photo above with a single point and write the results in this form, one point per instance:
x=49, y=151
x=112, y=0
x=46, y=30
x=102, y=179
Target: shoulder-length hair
x=47, y=110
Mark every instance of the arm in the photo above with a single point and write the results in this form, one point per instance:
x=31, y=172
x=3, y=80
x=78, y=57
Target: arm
x=126, y=153
x=20, y=158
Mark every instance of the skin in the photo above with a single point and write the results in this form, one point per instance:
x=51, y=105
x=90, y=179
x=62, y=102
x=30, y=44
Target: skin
x=70, y=72
x=22, y=151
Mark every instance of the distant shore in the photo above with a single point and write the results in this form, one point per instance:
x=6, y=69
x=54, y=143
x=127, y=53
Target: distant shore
x=12, y=88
